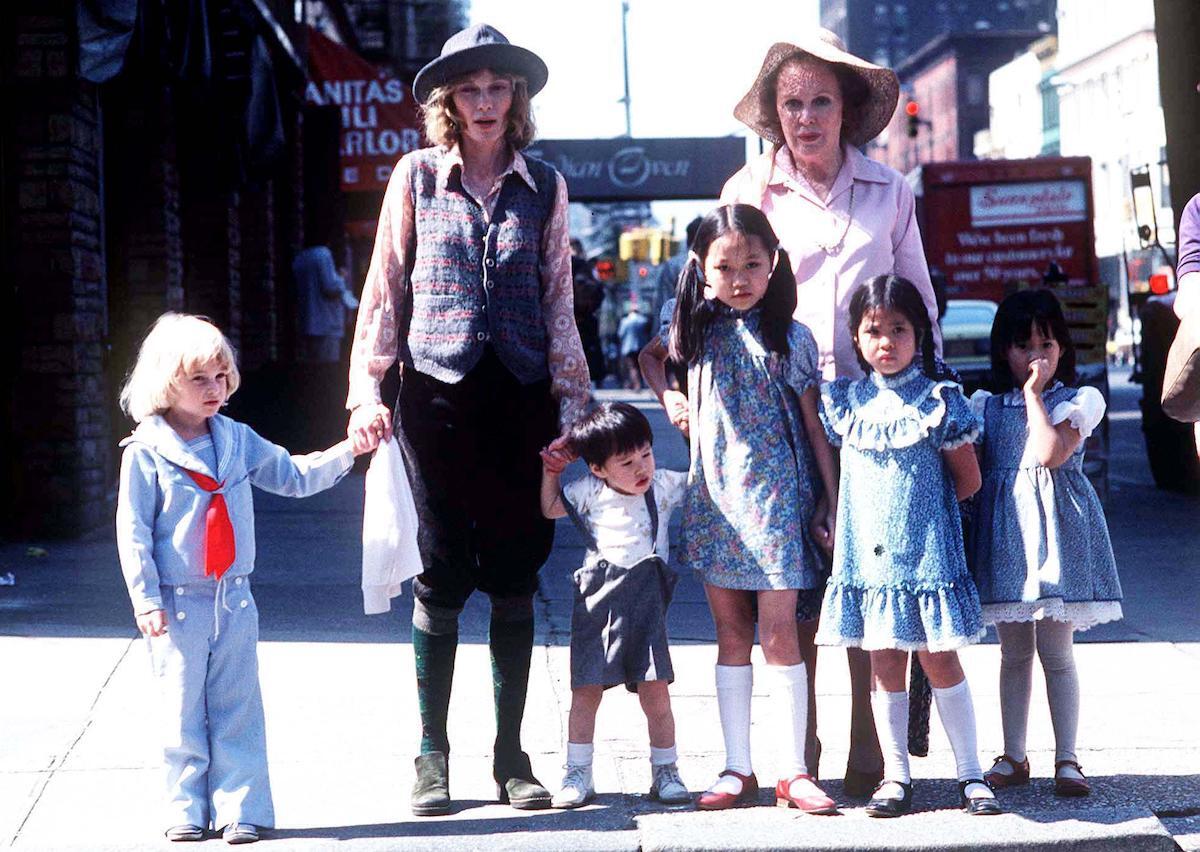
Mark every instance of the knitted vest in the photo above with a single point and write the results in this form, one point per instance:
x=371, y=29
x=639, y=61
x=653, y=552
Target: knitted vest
x=473, y=283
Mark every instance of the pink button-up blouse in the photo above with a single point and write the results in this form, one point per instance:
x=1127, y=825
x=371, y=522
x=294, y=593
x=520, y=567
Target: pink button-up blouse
x=882, y=238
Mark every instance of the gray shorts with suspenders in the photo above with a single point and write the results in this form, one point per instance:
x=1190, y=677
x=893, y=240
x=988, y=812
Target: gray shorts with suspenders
x=619, y=622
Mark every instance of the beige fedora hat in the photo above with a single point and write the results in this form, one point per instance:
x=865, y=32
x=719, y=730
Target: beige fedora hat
x=881, y=82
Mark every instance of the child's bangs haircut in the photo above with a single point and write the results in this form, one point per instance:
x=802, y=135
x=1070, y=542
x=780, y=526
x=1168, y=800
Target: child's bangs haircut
x=894, y=293
x=177, y=344
x=608, y=430
x=693, y=312
x=1014, y=323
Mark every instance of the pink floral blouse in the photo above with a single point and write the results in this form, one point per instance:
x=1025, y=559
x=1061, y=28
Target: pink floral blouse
x=882, y=237
x=375, y=345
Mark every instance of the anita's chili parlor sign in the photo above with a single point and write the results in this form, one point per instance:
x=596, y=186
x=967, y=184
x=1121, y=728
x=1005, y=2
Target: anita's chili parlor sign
x=380, y=123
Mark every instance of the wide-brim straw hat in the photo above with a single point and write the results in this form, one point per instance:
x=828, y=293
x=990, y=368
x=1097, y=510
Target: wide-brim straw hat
x=824, y=45
x=474, y=49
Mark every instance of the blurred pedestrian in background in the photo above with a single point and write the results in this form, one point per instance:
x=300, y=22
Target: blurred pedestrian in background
x=323, y=302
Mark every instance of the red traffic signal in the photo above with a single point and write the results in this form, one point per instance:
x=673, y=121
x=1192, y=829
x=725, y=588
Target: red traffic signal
x=912, y=109
x=605, y=269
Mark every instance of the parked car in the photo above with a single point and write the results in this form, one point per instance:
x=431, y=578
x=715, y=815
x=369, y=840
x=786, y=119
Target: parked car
x=966, y=339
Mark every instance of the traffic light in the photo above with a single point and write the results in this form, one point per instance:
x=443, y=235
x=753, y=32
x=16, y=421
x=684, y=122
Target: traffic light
x=913, y=110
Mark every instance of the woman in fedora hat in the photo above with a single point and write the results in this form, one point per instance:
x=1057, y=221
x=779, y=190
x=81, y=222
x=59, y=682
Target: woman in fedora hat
x=843, y=219
x=470, y=288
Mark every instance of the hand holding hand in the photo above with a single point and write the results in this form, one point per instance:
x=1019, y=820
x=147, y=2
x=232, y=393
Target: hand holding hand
x=369, y=424
x=153, y=623
x=676, y=405
x=557, y=455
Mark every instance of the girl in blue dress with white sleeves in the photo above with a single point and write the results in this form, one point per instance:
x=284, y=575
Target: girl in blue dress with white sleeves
x=900, y=580
x=1042, y=557
x=761, y=472
x=185, y=536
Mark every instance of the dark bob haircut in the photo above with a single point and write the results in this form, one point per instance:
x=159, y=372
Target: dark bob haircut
x=608, y=430
x=893, y=293
x=1014, y=323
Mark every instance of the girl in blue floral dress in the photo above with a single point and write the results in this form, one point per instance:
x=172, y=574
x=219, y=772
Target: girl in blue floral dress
x=1042, y=557
x=757, y=447
x=900, y=580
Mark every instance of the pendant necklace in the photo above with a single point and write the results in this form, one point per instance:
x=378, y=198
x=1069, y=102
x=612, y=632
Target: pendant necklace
x=836, y=246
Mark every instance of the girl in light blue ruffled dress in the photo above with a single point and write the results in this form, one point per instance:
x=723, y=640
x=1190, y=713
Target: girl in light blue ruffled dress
x=761, y=472
x=1042, y=557
x=900, y=580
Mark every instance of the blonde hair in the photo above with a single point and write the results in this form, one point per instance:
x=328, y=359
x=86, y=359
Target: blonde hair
x=441, y=126
x=176, y=345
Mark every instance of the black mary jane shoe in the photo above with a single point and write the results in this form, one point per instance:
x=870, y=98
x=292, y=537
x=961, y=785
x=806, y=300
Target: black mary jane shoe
x=431, y=790
x=982, y=806
x=886, y=808
x=517, y=786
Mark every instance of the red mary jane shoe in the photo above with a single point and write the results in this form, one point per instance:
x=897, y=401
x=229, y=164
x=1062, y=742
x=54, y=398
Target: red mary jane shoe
x=816, y=802
x=748, y=795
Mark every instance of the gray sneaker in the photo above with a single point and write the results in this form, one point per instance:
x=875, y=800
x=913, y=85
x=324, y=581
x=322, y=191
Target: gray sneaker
x=667, y=787
x=577, y=788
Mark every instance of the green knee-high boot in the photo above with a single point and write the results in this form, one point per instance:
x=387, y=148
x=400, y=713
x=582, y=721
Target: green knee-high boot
x=434, y=655
x=511, y=644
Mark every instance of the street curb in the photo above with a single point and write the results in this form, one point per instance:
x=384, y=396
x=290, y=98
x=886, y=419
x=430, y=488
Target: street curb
x=753, y=829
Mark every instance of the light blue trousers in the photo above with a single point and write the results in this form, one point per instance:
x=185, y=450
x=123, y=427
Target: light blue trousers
x=214, y=738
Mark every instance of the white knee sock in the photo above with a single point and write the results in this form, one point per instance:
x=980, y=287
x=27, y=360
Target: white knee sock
x=891, y=724
x=1016, y=683
x=1055, y=649
x=788, y=688
x=958, y=718
x=735, y=684
x=579, y=754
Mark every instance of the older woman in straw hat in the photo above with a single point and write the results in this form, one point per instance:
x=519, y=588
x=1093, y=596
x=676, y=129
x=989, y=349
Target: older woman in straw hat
x=470, y=288
x=843, y=219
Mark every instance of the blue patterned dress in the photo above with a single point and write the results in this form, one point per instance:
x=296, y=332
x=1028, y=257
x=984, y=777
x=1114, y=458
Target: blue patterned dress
x=1040, y=542
x=751, y=488
x=900, y=576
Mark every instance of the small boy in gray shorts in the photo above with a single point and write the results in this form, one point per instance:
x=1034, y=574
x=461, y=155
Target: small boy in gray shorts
x=619, y=624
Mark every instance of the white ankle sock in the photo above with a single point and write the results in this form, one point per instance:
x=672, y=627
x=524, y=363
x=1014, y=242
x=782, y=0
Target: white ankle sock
x=958, y=718
x=662, y=756
x=579, y=754
x=788, y=690
x=891, y=724
x=735, y=684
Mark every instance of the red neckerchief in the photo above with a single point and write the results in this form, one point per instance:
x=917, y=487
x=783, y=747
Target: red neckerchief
x=219, y=547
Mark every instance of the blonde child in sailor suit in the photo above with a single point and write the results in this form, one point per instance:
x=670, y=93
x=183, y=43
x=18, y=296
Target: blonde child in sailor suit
x=185, y=535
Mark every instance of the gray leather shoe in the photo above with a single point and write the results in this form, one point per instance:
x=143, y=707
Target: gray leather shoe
x=431, y=790
x=516, y=786
x=240, y=832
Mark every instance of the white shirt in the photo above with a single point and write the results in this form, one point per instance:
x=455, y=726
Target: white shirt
x=620, y=523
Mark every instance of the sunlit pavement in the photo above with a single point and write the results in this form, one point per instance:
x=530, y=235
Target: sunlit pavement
x=79, y=769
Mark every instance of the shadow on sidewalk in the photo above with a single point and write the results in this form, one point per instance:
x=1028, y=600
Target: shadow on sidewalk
x=608, y=812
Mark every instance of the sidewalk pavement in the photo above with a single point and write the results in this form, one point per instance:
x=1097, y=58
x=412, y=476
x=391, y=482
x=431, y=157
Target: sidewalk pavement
x=79, y=768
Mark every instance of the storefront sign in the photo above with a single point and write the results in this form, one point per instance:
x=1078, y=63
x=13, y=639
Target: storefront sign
x=643, y=169
x=380, y=123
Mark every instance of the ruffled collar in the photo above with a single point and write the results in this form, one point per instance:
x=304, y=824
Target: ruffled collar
x=896, y=380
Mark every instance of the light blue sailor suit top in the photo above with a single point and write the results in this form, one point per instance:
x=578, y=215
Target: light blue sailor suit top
x=161, y=510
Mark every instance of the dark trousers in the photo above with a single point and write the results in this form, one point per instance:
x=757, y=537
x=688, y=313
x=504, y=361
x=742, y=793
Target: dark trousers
x=471, y=449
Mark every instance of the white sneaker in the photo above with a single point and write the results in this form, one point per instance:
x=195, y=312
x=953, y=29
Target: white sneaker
x=666, y=786
x=577, y=789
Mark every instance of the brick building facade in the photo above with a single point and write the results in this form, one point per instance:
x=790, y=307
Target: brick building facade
x=121, y=200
